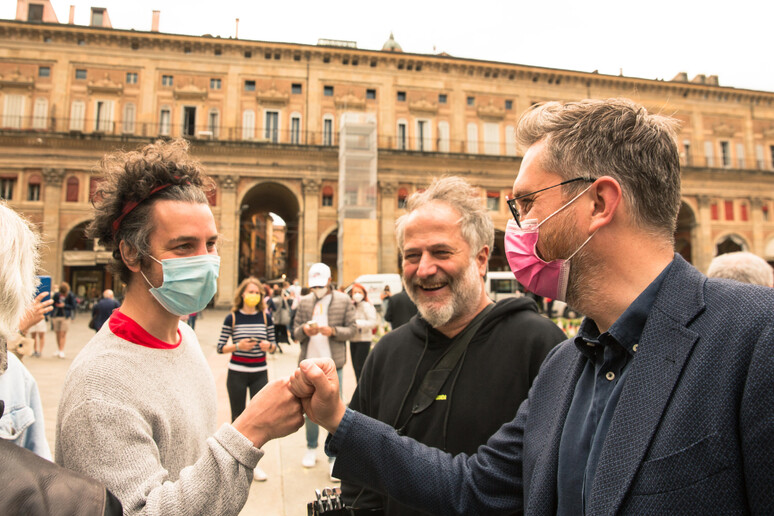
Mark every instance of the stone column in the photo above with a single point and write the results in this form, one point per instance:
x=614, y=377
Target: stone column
x=51, y=259
x=756, y=215
x=229, y=243
x=388, y=262
x=309, y=225
x=704, y=245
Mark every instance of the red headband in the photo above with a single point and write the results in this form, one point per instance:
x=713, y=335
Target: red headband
x=128, y=207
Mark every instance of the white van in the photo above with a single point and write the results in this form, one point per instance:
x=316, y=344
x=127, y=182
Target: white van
x=502, y=284
x=374, y=285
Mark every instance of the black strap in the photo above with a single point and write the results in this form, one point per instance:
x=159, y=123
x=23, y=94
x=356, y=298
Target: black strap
x=435, y=378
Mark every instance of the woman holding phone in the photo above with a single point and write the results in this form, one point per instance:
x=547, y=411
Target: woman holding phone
x=251, y=331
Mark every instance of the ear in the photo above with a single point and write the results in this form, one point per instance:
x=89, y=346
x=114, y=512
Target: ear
x=606, y=197
x=129, y=256
x=482, y=259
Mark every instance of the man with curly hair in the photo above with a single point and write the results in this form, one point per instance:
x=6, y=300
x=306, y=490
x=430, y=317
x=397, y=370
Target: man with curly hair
x=139, y=403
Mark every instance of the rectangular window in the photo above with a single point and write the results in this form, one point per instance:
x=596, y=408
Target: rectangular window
x=295, y=130
x=164, y=122
x=442, y=98
x=33, y=192
x=44, y=71
x=743, y=212
x=728, y=210
x=709, y=154
x=213, y=123
x=215, y=84
x=249, y=85
x=97, y=17
x=77, y=114
x=80, y=74
x=189, y=121
x=370, y=94
x=493, y=201
x=328, y=131
x=296, y=89
x=508, y=105
x=13, y=111
x=687, y=152
x=271, y=132
x=129, y=116
x=328, y=91
x=759, y=157
x=491, y=138
x=35, y=12
x=40, y=114
x=725, y=154
x=103, y=116
x=6, y=188
x=471, y=101
x=167, y=80
x=740, y=155
x=131, y=77
x=401, y=96
x=402, y=136
x=714, y=211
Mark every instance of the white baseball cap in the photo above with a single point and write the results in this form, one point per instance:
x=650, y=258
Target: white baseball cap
x=319, y=274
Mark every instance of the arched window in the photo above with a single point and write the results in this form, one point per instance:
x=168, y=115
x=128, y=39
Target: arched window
x=40, y=114
x=71, y=193
x=402, y=196
x=129, y=117
x=327, y=195
x=248, y=125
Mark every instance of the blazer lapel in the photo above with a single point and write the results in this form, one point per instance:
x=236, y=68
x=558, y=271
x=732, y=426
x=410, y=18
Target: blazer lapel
x=665, y=345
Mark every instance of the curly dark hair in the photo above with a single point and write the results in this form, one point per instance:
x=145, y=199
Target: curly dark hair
x=131, y=177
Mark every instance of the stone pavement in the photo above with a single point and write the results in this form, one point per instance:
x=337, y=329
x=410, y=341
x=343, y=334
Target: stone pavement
x=289, y=487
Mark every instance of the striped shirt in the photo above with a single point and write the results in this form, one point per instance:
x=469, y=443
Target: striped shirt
x=258, y=326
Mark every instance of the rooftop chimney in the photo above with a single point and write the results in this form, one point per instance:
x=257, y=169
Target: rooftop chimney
x=72, y=15
x=236, y=35
x=155, y=23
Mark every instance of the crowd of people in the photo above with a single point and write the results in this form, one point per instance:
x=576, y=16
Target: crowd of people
x=662, y=402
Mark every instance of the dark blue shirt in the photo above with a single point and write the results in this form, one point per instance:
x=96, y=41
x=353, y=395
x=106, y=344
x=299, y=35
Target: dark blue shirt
x=608, y=356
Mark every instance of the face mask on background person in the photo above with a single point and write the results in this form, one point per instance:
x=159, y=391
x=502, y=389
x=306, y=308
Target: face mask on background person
x=189, y=283
x=319, y=292
x=252, y=300
x=546, y=279
x=357, y=297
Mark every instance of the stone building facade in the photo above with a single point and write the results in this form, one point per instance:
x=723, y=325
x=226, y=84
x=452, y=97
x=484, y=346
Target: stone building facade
x=265, y=120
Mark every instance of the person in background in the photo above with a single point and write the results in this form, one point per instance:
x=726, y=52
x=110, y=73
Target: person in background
x=366, y=320
x=104, y=308
x=400, y=310
x=742, y=266
x=192, y=320
x=139, y=405
x=325, y=321
x=37, y=331
x=251, y=331
x=64, y=310
x=384, y=297
x=281, y=314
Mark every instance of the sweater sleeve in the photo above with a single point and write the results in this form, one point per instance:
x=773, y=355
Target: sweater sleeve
x=225, y=333
x=115, y=445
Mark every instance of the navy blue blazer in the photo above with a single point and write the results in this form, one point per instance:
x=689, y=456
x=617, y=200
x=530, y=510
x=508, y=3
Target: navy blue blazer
x=693, y=431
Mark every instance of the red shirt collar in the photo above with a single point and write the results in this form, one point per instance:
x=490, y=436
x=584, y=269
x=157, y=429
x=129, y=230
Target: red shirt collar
x=126, y=328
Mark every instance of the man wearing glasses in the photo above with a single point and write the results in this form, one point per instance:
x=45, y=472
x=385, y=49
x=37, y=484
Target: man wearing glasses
x=663, y=403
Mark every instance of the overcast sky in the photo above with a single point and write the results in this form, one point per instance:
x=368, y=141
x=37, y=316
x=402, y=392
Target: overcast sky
x=653, y=40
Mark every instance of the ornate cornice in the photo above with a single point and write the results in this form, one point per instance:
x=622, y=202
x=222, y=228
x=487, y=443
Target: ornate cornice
x=105, y=85
x=423, y=106
x=190, y=92
x=388, y=188
x=724, y=130
x=228, y=182
x=17, y=80
x=53, y=176
x=490, y=111
x=703, y=201
x=272, y=96
x=350, y=101
x=311, y=186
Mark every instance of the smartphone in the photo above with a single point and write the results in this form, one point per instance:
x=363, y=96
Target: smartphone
x=44, y=286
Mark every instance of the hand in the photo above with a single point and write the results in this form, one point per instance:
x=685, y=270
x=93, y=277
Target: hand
x=265, y=345
x=35, y=312
x=317, y=384
x=246, y=344
x=272, y=413
x=327, y=331
x=311, y=331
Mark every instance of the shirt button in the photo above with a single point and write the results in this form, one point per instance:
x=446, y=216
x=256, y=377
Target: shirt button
x=610, y=375
x=634, y=348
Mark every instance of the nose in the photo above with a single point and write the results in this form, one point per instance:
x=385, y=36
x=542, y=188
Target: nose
x=427, y=266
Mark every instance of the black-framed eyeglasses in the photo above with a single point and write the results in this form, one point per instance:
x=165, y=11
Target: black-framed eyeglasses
x=512, y=202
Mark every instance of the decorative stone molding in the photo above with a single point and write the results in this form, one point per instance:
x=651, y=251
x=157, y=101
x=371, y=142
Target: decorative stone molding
x=724, y=130
x=311, y=186
x=490, y=111
x=228, y=182
x=757, y=203
x=53, y=176
x=703, y=201
x=350, y=101
x=272, y=97
x=190, y=92
x=769, y=133
x=105, y=85
x=424, y=107
x=387, y=188
x=17, y=80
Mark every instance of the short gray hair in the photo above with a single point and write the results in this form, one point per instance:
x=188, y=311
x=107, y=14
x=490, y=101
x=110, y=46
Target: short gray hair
x=475, y=223
x=18, y=268
x=616, y=138
x=742, y=266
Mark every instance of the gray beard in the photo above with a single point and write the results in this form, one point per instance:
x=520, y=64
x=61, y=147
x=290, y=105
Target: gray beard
x=465, y=291
x=3, y=355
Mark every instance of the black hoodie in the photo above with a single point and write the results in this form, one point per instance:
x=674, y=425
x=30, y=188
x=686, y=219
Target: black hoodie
x=501, y=361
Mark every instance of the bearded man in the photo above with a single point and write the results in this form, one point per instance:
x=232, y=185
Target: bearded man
x=474, y=359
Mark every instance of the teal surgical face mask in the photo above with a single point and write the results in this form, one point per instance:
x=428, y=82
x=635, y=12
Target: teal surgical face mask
x=189, y=283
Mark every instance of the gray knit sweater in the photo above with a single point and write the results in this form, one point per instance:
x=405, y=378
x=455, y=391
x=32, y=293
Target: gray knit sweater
x=141, y=420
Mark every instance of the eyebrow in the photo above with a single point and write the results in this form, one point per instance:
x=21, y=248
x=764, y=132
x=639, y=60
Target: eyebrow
x=187, y=239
